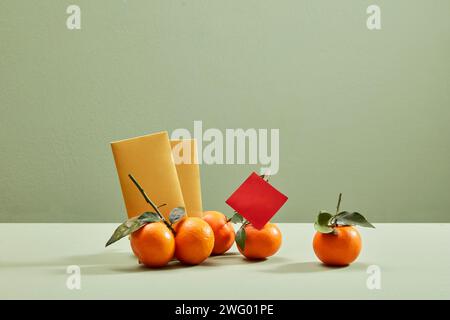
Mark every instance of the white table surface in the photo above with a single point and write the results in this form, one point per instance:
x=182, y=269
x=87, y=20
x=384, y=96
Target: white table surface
x=414, y=262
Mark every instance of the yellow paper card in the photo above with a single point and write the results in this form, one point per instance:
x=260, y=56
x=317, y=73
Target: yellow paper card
x=149, y=159
x=186, y=163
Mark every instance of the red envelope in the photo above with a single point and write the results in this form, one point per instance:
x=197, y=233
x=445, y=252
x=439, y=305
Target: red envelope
x=256, y=200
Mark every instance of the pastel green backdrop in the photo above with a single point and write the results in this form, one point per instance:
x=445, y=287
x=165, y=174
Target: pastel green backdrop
x=361, y=112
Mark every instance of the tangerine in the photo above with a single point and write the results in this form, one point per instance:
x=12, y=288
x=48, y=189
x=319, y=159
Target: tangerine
x=260, y=244
x=339, y=248
x=223, y=231
x=194, y=240
x=153, y=244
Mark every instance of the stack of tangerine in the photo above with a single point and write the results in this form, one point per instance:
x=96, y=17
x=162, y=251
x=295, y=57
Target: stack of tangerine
x=156, y=241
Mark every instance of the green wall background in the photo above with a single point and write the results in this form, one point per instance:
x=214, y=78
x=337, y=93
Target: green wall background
x=361, y=112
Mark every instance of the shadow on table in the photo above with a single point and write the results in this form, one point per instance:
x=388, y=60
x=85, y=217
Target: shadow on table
x=312, y=267
x=109, y=262
x=123, y=262
x=235, y=258
x=116, y=263
x=134, y=268
x=120, y=262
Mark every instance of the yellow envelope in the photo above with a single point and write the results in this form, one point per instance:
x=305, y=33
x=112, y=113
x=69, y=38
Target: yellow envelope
x=186, y=163
x=149, y=159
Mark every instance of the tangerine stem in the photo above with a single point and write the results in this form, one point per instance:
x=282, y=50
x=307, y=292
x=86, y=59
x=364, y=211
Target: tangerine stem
x=265, y=176
x=150, y=202
x=230, y=218
x=147, y=199
x=339, y=203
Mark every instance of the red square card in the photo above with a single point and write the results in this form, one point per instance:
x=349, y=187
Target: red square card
x=256, y=200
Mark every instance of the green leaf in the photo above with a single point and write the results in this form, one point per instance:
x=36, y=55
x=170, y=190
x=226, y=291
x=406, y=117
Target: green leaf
x=148, y=217
x=237, y=218
x=240, y=238
x=322, y=223
x=352, y=218
x=132, y=225
x=176, y=214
